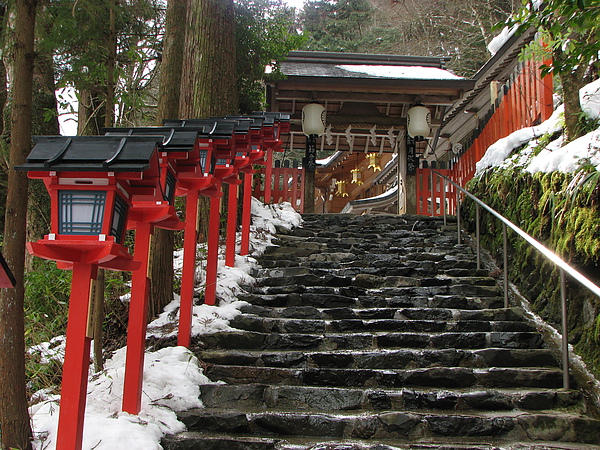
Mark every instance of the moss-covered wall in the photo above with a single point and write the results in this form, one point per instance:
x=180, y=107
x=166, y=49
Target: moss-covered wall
x=562, y=211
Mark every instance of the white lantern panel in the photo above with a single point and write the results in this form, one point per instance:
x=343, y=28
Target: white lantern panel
x=313, y=119
x=81, y=212
x=418, y=122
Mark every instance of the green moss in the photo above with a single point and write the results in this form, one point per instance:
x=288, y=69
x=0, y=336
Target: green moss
x=561, y=210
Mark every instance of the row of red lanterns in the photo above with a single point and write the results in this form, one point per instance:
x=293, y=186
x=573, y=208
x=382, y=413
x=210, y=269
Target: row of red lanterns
x=100, y=186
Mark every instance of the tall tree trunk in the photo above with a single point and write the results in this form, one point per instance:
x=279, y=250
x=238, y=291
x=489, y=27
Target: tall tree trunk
x=44, y=101
x=572, y=82
x=161, y=251
x=91, y=111
x=14, y=417
x=110, y=65
x=208, y=81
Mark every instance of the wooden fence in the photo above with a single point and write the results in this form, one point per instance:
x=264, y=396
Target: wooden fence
x=525, y=100
x=287, y=185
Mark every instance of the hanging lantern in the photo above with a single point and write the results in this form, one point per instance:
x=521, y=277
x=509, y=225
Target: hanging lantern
x=374, y=162
x=341, y=188
x=418, y=120
x=357, y=176
x=313, y=119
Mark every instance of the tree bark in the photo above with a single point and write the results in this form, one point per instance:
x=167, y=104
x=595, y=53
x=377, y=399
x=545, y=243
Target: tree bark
x=572, y=82
x=44, y=101
x=14, y=417
x=91, y=112
x=111, y=61
x=161, y=250
x=208, y=81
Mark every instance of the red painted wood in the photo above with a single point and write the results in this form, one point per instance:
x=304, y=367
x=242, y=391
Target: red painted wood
x=268, y=176
x=232, y=205
x=77, y=360
x=246, y=214
x=136, y=328
x=188, y=273
x=212, y=254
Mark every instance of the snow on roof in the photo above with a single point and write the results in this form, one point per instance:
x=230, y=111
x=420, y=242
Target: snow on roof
x=497, y=43
x=411, y=72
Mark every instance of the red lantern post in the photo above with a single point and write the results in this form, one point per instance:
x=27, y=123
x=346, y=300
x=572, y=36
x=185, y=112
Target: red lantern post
x=91, y=181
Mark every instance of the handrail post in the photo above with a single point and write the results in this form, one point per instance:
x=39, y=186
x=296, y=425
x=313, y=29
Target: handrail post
x=478, y=236
x=565, y=330
x=444, y=199
x=458, y=213
x=505, y=246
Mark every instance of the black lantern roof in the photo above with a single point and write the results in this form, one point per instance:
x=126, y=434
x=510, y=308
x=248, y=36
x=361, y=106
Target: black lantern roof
x=91, y=153
x=208, y=128
x=174, y=139
x=274, y=116
x=255, y=122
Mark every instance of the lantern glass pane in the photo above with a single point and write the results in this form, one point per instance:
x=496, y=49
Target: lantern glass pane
x=117, y=227
x=203, y=154
x=169, y=188
x=81, y=212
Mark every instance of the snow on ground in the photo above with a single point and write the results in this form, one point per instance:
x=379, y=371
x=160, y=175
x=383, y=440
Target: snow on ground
x=555, y=156
x=171, y=375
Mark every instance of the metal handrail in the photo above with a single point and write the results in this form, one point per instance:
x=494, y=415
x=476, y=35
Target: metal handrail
x=549, y=254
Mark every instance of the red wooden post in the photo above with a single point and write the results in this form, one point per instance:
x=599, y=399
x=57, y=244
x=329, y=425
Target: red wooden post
x=212, y=254
x=268, y=175
x=246, y=214
x=188, y=273
x=77, y=360
x=232, y=202
x=548, y=95
x=138, y=315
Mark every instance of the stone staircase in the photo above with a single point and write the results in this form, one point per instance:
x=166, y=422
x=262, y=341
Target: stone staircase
x=379, y=332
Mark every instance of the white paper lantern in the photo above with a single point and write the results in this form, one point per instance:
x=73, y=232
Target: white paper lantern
x=418, y=121
x=313, y=119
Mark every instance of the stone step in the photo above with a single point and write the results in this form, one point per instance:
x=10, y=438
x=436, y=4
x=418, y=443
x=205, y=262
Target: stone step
x=194, y=440
x=441, y=377
x=345, y=341
x=426, y=297
x=404, y=426
x=286, y=325
x=343, y=313
x=379, y=332
x=307, y=398
x=387, y=359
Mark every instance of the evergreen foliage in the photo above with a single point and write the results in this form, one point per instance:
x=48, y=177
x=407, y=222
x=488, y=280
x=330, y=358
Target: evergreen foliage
x=453, y=29
x=265, y=34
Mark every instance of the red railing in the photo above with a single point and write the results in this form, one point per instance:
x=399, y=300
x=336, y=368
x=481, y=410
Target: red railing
x=526, y=102
x=287, y=185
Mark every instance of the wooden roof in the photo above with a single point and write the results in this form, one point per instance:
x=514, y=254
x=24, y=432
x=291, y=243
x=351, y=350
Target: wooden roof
x=363, y=91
